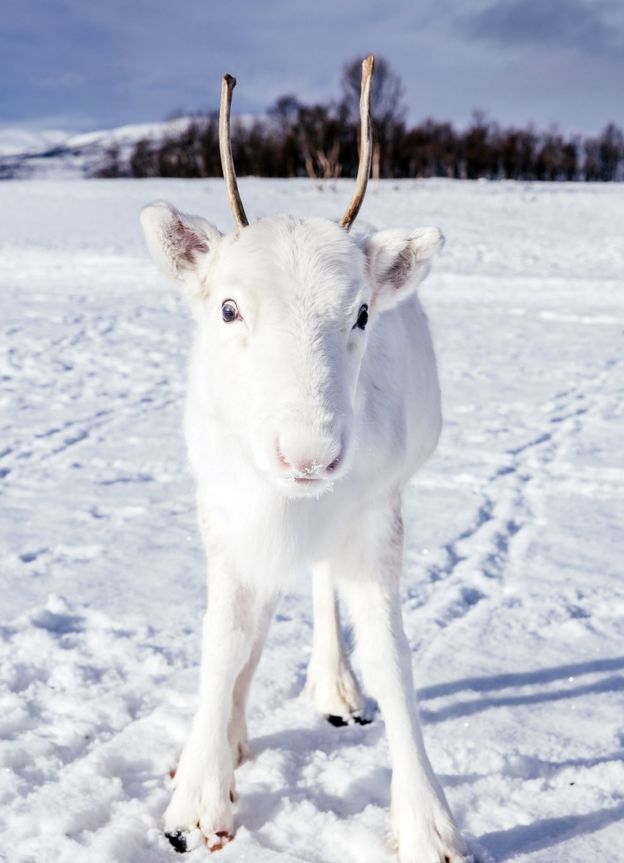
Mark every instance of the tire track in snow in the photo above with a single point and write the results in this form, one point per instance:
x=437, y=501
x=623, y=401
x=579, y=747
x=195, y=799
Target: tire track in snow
x=505, y=514
x=44, y=445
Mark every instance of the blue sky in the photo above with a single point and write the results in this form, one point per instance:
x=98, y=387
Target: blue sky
x=81, y=64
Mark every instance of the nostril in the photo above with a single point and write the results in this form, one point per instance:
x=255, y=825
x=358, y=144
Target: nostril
x=281, y=457
x=294, y=465
x=334, y=464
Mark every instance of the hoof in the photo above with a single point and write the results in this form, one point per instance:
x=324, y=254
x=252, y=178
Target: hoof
x=352, y=719
x=214, y=842
x=218, y=840
x=177, y=840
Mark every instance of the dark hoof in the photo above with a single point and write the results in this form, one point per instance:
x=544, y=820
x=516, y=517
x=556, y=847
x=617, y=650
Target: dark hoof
x=353, y=719
x=177, y=840
x=336, y=721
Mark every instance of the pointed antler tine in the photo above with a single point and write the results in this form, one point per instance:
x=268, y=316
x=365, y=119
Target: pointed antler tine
x=225, y=149
x=366, y=144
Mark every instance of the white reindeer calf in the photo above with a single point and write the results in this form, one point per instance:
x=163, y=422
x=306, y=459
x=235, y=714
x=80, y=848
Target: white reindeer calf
x=312, y=399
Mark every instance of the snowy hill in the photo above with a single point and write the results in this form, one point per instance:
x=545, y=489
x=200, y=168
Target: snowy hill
x=56, y=154
x=513, y=596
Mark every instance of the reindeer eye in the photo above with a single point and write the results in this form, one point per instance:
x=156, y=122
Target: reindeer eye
x=362, y=318
x=229, y=311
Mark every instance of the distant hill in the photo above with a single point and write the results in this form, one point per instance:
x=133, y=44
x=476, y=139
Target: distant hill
x=57, y=154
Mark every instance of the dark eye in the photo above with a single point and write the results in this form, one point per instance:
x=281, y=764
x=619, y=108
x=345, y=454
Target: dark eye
x=362, y=318
x=229, y=311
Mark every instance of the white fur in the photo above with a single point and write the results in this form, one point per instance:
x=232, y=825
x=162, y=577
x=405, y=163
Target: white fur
x=302, y=431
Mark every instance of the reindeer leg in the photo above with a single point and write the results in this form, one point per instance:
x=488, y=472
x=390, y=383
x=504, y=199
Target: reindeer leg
x=204, y=781
x=237, y=728
x=370, y=571
x=330, y=680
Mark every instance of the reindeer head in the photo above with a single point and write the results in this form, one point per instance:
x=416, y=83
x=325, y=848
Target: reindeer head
x=285, y=307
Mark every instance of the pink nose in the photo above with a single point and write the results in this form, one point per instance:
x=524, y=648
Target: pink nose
x=311, y=461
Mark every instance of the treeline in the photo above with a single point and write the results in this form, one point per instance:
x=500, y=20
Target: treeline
x=321, y=141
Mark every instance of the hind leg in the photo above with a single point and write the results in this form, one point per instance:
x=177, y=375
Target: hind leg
x=330, y=679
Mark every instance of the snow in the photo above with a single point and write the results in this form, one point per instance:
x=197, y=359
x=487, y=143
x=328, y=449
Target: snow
x=16, y=141
x=56, y=154
x=30, y=154
x=513, y=596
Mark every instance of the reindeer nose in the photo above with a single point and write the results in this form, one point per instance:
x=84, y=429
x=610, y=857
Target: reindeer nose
x=308, y=458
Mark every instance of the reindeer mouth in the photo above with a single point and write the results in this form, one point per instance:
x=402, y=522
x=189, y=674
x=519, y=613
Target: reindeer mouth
x=299, y=486
x=311, y=482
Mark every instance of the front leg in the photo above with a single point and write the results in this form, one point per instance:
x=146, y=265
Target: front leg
x=371, y=567
x=237, y=728
x=204, y=780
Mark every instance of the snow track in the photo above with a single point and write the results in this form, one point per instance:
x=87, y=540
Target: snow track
x=513, y=593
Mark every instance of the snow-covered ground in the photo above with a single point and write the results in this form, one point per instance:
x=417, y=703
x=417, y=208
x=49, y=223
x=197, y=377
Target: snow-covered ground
x=513, y=592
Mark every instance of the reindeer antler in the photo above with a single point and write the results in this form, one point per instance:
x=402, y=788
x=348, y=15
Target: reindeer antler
x=366, y=148
x=225, y=148
x=366, y=144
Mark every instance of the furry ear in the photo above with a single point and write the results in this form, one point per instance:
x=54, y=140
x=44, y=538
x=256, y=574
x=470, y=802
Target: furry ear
x=177, y=243
x=399, y=260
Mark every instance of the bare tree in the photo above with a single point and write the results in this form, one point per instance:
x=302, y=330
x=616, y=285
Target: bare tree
x=611, y=151
x=285, y=112
x=321, y=141
x=318, y=133
x=388, y=108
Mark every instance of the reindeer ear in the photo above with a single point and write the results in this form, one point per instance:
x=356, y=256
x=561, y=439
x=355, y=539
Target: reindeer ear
x=399, y=260
x=177, y=243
